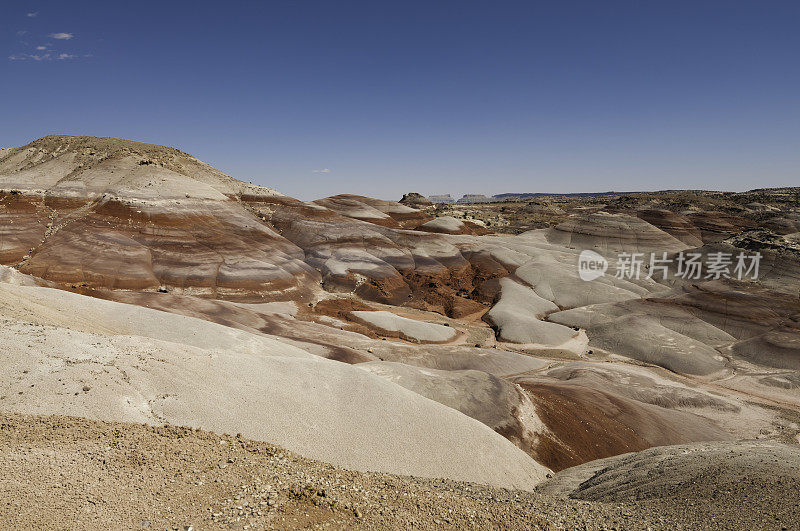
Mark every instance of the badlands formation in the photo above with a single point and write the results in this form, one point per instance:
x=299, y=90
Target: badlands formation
x=140, y=287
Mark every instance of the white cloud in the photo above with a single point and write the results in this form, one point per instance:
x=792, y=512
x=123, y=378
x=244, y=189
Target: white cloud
x=20, y=33
x=62, y=36
x=323, y=170
x=31, y=15
x=49, y=56
x=30, y=56
x=41, y=47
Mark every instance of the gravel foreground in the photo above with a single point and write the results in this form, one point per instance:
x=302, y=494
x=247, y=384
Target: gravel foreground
x=71, y=473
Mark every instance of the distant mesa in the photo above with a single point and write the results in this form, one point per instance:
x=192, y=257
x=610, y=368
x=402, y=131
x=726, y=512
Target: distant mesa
x=524, y=196
x=474, y=198
x=446, y=199
x=533, y=196
x=466, y=199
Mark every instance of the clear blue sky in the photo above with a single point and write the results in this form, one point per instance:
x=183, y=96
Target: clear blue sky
x=435, y=97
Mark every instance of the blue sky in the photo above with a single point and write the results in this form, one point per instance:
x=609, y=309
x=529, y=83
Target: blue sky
x=435, y=97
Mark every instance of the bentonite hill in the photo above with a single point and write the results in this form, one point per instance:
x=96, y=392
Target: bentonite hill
x=180, y=348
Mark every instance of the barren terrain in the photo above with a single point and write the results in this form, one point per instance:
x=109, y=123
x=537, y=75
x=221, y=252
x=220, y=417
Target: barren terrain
x=94, y=475
x=440, y=343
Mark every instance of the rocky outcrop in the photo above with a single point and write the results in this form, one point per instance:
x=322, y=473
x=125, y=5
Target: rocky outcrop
x=415, y=200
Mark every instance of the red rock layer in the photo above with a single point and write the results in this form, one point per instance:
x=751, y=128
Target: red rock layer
x=214, y=248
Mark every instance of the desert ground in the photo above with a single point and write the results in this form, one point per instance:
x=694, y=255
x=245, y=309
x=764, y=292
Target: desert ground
x=184, y=349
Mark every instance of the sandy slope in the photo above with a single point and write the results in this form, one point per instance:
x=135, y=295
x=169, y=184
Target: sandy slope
x=69, y=354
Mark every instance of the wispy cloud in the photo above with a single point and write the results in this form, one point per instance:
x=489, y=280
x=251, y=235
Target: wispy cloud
x=45, y=52
x=31, y=15
x=30, y=57
x=323, y=170
x=41, y=57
